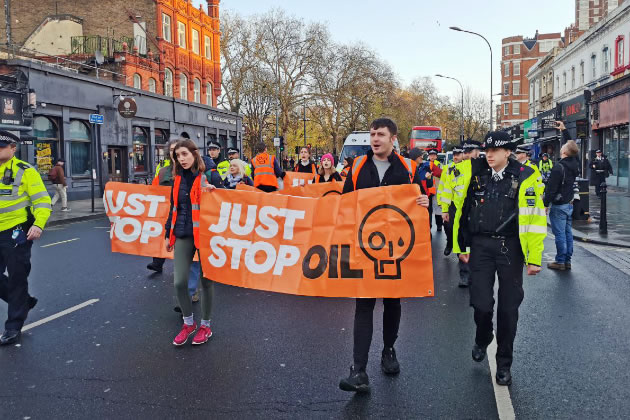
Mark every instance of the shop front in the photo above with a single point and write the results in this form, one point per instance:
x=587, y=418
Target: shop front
x=548, y=140
x=575, y=118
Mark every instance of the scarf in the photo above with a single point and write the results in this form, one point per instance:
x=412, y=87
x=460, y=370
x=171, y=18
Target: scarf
x=234, y=181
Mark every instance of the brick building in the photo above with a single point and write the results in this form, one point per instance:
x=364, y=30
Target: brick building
x=167, y=47
x=518, y=56
x=590, y=12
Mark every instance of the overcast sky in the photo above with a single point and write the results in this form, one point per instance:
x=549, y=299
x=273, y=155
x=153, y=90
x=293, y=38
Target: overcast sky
x=413, y=35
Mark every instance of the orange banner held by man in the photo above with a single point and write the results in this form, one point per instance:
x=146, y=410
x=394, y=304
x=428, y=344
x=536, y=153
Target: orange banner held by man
x=352, y=245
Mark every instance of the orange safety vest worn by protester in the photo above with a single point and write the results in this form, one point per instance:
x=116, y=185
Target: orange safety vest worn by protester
x=195, y=198
x=409, y=164
x=264, y=173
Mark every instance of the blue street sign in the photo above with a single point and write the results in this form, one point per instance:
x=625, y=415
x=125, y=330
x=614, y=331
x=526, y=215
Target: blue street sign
x=96, y=119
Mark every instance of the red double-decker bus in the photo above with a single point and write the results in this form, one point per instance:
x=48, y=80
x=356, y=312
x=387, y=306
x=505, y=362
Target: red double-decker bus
x=426, y=138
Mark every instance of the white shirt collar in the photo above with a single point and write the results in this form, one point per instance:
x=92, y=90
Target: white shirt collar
x=499, y=172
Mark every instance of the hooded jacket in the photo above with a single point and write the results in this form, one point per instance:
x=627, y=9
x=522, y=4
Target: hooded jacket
x=568, y=168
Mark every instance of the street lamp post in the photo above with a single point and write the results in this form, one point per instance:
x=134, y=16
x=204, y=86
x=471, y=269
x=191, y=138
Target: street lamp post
x=461, y=127
x=455, y=28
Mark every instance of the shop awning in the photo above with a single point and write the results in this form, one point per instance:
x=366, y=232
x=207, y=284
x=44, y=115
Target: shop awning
x=546, y=139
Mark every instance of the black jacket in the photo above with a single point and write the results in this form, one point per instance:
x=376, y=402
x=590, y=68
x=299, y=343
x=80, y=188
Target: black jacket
x=305, y=169
x=246, y=180
x=569, y=168
x=396, y=174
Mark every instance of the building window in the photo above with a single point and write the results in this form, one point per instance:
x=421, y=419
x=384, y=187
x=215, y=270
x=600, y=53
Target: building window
x=183, y=87
x=140, y=141
x=195, y=41
x=166, y=27
x=605, y=61
x=558, y=85
x=581, y=73
x=506, y=89
x=531, y=92
x=564, y=82
x=506, y=69
x=506, y=109
x=197, y=91
x=181, y=34
x=593, y=66
x=550, y=83
x=152, y=85
x=516, y=88
x=168, y=82
x=137, y=81
x=619, y=58
x=208, y=94
x=572, y=77
x=208, y=47
x=80, y=141
x=517, y=68
x=46, y=144
x=506, y=51
x=516, y=108
x=161, y=137
x=517, y=49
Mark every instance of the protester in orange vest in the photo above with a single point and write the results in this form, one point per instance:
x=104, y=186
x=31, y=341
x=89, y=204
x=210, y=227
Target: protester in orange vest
x=426, y=177
x=266, y=170
x=327, y=173
x=347, y=164
x=305, y=164
x=436, y=170
x=381, y=166
x=182, y=231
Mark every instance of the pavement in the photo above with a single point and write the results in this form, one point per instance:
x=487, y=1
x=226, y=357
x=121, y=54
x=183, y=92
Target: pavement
x=618, y=209
x=107, y=351
x=79, y=210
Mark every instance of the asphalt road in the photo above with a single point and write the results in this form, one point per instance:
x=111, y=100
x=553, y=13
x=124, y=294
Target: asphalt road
x=279, y=356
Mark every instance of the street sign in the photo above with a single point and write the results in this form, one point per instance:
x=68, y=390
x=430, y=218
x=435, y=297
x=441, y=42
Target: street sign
x=96, y=119
x=276, y=141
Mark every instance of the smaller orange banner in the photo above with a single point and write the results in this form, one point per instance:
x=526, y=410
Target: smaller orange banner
x=295, y=179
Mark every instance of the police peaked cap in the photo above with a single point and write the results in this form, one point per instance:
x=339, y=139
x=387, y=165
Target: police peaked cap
x=7, y=138
x=213, y=145
x=232, y=150
x=433, y=152
x=499, y=139
x=458, y=149
x=470, y=145
x=598, y=151
x=522, y=149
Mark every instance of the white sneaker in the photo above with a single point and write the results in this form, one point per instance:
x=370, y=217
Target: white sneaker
x=65, y=209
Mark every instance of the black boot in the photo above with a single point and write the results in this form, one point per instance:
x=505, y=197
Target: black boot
x=479, y=353
x=389, y=362
x=10, y=337
x=357, y=381
x=156, y=265
x=504, y=376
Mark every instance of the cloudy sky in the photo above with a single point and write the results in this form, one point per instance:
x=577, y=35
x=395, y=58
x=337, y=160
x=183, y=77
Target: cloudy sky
x=413, y=35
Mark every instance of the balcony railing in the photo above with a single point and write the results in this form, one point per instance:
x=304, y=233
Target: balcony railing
x=88, y=45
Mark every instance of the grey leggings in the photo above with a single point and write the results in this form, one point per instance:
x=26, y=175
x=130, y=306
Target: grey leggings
x=184, y=253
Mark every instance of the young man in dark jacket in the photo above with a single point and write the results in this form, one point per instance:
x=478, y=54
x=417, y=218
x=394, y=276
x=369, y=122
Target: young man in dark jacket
x=559, y=195
x=382, y=166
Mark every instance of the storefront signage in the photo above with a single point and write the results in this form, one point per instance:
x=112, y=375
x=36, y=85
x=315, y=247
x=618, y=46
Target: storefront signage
x=574, y=109
x=96, y=119
x=11, y=108
x=218, y=118
x=127, y=108
x=43, y=156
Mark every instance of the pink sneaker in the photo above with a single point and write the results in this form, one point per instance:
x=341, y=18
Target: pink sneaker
x=202, y=335
x=182, y=337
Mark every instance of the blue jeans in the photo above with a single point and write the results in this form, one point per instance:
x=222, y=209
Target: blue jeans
x=560, y=217
x=193, y=277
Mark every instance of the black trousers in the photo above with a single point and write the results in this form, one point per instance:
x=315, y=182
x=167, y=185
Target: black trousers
x=505, y=258
x=448, y=227
x=430, y=212
x=364, y=326
x=598, y=179
x=14, y=287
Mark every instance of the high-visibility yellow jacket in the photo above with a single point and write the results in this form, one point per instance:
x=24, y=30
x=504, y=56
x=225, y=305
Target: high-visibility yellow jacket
x=445, y=188
x=545, y=166
x=532, y=219
x=223, y=167
x=541, y=185
x=163, y=164
x=26, y=193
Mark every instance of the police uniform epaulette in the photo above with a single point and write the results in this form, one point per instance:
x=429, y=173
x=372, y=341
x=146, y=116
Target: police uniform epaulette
x=23, y=165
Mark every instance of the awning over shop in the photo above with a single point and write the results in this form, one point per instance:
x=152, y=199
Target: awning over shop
x=547, y=139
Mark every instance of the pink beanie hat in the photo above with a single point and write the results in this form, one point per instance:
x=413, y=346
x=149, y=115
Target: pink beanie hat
x=329, y=157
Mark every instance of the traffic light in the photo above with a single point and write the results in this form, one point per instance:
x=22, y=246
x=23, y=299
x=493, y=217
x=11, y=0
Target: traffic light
x=281, y=143
x=297, y=150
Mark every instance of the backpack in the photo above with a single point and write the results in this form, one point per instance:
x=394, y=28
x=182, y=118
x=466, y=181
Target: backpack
x=52, y=174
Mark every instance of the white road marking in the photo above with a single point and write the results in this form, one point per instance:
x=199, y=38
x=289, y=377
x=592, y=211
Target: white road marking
x=102, y=227
x=59, y=314
x=501, y=393
x=58, y=243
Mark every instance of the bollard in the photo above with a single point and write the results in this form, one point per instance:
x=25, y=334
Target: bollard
x=603, y=223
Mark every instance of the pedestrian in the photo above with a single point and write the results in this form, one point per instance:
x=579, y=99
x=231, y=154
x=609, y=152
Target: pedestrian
x=445, y=198
x=545, y=165
x=600, y=170
x=236, y=175
x=291, y=162
x=436, y=170
x=347, y=165
x=305, y=164
x=327, y=173
x=58, y=178
x=25, y=207
x=381, y=166
x=559, y=196
x=214, y=151
x=502, y=221
x=266, y=170
x=182, y=230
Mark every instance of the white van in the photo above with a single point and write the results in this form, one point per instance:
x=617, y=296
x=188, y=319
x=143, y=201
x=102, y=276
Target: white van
x=357, y=144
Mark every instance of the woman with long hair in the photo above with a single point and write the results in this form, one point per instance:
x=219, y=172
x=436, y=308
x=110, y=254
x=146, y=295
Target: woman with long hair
x=182, y=230
x=236, y=175
x=305, y=164
x=347, y=164
x=327, y=171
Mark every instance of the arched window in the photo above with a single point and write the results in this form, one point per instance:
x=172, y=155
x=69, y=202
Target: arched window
x=183, y=87
x=152, y=85
x=197, y=91
x=137, y=81
x=79, y=149
x=209, y=94
x=140, y=144
x=168, y=82
x=46, y=132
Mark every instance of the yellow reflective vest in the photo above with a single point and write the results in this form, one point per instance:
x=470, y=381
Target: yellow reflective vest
x=545, y=166
x=25, y=193
x=445, y=188
x=541, y=185
x=223, y=167
x=532, y=219
x=163, y=164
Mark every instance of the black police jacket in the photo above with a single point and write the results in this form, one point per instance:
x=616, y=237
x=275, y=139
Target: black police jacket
x=396, y=174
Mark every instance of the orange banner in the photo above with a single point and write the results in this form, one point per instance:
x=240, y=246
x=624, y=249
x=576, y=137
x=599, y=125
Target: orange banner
x=310, y=190
x=295, y=179
x=137, y=214
x=353, y=245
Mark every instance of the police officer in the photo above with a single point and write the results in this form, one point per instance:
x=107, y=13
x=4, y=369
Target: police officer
x=503, y=222
x=381, y=166
x=234, y=154
x=445, y=197
x=522, y=155
x=214, y=150
x=25, y=207
x=545, y=165
x=600, y=169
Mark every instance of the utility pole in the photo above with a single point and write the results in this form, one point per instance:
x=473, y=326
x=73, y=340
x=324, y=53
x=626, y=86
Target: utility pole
x=7, y=17
x=305, y=121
